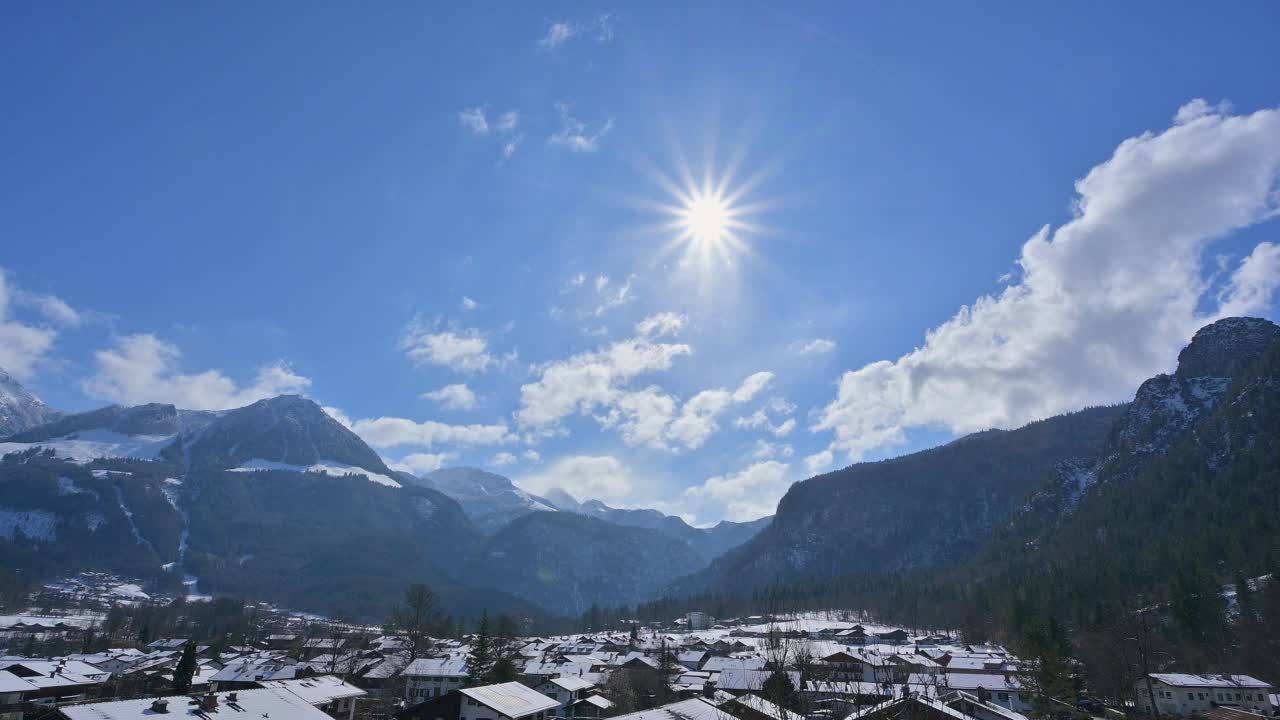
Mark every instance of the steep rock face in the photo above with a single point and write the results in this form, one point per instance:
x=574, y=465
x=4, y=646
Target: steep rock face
x=919, y=510
x=19, y=409
x=1165, y=411
x=565, y=563
x=490, y=500
x=289, y=429
x=150, y=419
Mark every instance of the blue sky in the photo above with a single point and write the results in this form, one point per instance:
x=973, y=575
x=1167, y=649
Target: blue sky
x=450, y=225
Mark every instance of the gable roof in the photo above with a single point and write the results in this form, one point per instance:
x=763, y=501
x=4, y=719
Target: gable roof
x=695, y=709
x=764, y=707
x=275, y=703
x=511, y=699
x=1209, y=681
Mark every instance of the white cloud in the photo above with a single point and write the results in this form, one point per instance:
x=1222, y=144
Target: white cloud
x=532, y=456
x=507, y=121
x=468, y=303
x=22, y=346
x=503, y=127
x=421, y=463
x=474, y=120
x=817, y=346
x=765, y=450
x=385, y=432
x=453, y=397
x=760, y=420
x=745, y=495
x=503, y=459
x=143, y=368
x=819, y=461
x=1253, y=282
x=558, y=33
x=461, y=350
x=1088, y=320
x=751, y=386
x=587, y=381
x=610, y=299
x=663, y=323
x=575, y=135
x=589, y=477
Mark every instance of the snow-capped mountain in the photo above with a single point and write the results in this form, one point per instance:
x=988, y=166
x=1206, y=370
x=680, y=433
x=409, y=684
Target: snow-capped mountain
x=19, y=409
x=490, y=500
x=288, y=432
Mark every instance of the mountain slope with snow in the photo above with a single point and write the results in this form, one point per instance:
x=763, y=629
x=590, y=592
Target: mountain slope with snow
x=19, y=408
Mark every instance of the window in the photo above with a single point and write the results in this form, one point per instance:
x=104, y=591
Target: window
x=1003, y=696
x=1191, y=696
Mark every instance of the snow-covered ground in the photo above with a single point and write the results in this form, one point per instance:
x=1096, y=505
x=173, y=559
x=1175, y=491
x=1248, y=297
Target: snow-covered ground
x=327, y=467
x=89, y=445
x=39, y=524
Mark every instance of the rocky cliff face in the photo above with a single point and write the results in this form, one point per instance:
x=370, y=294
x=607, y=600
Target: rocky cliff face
x=19, y=409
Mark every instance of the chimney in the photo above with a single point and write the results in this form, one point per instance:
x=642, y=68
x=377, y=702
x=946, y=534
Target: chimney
x=231, y=697
x=160, y=705
x=209, y=703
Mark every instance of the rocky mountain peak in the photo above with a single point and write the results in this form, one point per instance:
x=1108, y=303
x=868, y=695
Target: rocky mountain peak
x=287, y=429
x=19, y=408
x=1225, y=348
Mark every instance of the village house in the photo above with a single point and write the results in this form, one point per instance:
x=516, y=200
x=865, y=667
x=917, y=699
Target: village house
x=332, y=695
x=565, y=691
x=273, y=703
x=1185, y=694
x=434, y=677
x=591, y=706
x=54, y=682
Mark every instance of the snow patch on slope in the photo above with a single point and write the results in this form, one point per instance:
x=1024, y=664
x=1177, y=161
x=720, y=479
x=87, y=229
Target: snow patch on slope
x=83, y=447
x=38, y=524
x=327, y=467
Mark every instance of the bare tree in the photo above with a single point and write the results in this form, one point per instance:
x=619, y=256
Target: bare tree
x=416, y=619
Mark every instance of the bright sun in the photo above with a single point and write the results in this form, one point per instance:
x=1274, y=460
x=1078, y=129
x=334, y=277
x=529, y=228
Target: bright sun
x=706, y=218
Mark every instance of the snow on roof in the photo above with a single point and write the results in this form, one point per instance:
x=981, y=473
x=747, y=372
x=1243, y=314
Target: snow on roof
x=571, y=683
x=1209, y=681
x=695, y=709
x=929, y=702
x=990, y=681
x=451, y=666
x=319, y=690
x=716, y=663
x=275, y=703
x=256, y=672
x=599, y=701
x=54, y=673
x=760, y=705
x=510, y=699
x=734, y=679
x=10, y=683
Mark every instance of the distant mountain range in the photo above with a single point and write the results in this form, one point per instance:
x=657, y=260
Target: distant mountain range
x=279, y=501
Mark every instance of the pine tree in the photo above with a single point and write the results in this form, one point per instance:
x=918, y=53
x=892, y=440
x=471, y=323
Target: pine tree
x=185, y=671
x=480, y=659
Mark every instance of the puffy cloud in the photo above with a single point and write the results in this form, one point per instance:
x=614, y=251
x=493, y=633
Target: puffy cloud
x=819, y=461
x=474, y=120
x=594, y=477
x=817, y=346
x=587, y=381
x=1087, y=320
x=663, y=323
x=462, y=350
x=453, y=397
x=502, y=459
x=745, y=495
x=751, y=386
x=421, y=463
x=1253, y=282
x=143, y=368
x=468, y=303
x=532, y=456
x=765, y=450
x=760, y=420
x=575, y=135
x=386, y=432
x=22, y=345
